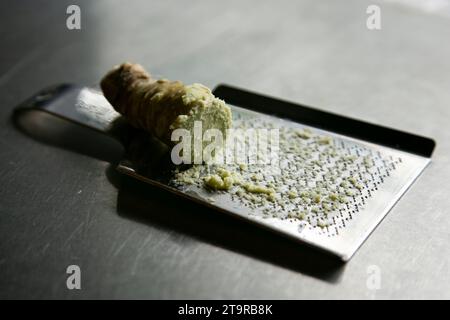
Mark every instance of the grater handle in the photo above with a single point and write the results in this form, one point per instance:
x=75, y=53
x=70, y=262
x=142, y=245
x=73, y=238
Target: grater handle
x=81, y=105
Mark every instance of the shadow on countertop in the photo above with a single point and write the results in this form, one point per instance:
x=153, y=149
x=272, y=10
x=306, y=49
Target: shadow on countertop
x=150, y=205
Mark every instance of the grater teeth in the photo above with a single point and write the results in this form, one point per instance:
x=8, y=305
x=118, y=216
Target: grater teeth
x=345, y=173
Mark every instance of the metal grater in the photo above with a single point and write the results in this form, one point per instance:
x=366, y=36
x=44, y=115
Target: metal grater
x=397, y=159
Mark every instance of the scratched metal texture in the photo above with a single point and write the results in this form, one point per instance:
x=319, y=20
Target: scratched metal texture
x=62, y=203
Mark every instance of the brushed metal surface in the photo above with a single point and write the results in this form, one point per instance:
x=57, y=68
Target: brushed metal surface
x=60, y=207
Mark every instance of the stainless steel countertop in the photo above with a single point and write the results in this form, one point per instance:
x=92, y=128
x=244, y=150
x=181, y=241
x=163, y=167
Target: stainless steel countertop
x=64, y=205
